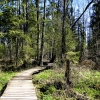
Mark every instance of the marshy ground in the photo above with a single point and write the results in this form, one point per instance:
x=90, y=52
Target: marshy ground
x=85, y=84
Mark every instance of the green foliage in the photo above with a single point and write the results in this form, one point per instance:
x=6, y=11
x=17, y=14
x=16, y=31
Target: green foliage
x=70, y=42
x=73, y=56
x=27, y=38
x=28, y=52
x=89, y=85
x=20, y=26
x=51, y=89
x=44, y=75
x=93, y=38
x=5, y=77
x=48, y=89
x=47, y=97
x=50, y=85
x=1, y=35
x=1, y=50
x=15, y=21
x=48, y=73
x=15, y=33
x=1, y=13
x=8, y=13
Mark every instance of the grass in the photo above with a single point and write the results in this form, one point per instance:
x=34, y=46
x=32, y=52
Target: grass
x=51, y=84
x=88, y=82
x=44, y=75
x=5, y=77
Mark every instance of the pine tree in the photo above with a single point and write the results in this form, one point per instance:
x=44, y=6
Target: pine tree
x=95, y=26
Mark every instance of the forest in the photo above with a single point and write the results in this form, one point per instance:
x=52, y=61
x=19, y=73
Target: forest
x=37, y=32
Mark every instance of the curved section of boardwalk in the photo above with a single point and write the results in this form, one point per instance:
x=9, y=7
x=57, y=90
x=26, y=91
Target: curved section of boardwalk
x=20, y=87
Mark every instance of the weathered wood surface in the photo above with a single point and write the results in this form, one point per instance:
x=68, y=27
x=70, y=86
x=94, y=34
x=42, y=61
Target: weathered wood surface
x=20, y=87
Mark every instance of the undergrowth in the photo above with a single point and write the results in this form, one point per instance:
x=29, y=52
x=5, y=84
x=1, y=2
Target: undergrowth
x=4, y=78
x=87, y=82
x=51, y=84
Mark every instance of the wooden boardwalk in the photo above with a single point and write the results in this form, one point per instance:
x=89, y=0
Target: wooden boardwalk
x=20, y=87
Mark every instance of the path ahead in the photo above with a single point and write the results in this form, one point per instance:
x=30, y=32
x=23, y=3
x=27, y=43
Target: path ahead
x=20, y=87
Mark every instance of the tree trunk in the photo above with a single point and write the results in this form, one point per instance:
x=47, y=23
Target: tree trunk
x=82, y=42
x=63, y=33
x=38, y=29
x=11, y=49
x=16, y=52
x=43, y=33
x=53, y=54
x=67, y=71
x=26, y=28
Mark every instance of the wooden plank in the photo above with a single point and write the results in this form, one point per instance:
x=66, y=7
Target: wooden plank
x=20, y=87
x=50, y=65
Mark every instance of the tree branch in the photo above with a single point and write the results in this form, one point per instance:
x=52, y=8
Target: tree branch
x=81, y=14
